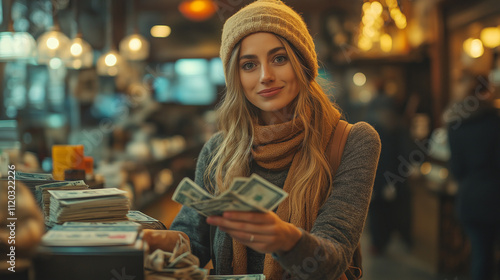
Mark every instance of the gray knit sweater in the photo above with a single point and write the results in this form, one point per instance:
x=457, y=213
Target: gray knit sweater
x=326, y=251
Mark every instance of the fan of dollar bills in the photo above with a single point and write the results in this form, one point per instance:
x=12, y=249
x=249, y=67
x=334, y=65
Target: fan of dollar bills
x=245, y=194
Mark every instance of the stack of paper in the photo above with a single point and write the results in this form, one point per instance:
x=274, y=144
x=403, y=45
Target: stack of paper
x=144, y=220
x=92, y=205
x=43, y=197
x=245, y=194
x=92, y=234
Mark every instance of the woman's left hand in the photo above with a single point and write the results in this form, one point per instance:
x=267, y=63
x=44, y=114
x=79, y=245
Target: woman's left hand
x=263, y=232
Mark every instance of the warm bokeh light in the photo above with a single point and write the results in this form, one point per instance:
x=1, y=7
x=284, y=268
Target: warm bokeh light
x=473, y=47
x=79, y=54
x=425, y=168
x=134, y=47
x=160, y=31
x=368, y=19
x=490, y=36
x=197, y=10
x=110, y=60
x=76, y=49
x=52, y=43
x=376, y=8
x=369, y=31
x=391, y=3
x=359, y=79
x=364, y=43
x=110, y=63
x=386, y=42
x=443, y=173
x=401, y=24
x=398, y=17
x=366, y=6
x=496, y=103
x=135, y=44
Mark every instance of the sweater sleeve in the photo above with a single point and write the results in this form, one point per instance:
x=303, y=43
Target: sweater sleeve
x=188, y=220
x=326, y=251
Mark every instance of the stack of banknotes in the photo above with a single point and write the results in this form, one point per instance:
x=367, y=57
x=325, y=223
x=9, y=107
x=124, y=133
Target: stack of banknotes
x=144, y=220
x=254, y=194
x=42, y=194
x=91, y=205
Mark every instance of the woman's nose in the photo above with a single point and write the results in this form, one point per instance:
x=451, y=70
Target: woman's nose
x=267, y=74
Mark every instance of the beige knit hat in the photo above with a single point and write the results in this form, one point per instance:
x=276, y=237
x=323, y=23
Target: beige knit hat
x=269, y=16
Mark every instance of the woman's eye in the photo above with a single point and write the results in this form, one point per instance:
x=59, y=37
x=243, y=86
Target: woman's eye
x=280, y=59
x=247, y=66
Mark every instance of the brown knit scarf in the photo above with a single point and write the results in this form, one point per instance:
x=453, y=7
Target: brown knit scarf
x=277, y=147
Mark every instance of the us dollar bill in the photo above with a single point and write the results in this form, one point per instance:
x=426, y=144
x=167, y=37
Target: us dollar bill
x=262, y=193
x=254, y=194
x=33, y=176
x=188, y=192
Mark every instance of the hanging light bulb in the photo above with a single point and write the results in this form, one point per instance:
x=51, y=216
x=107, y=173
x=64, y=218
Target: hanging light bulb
x=134, y=47
x=109, y=63
x=52, y=43
x=79, y=53
x=15, y=45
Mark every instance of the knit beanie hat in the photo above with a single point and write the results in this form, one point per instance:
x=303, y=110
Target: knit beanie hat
x=269, y=16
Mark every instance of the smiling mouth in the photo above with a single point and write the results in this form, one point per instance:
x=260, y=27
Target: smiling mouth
x=269, y=91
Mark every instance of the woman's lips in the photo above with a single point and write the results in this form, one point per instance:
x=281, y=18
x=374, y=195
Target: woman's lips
x=269, y=92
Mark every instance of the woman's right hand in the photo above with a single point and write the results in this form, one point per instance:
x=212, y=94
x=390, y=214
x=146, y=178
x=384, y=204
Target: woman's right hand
x=162, y=239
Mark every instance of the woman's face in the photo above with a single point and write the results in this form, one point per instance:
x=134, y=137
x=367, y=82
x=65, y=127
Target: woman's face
x=266, y=74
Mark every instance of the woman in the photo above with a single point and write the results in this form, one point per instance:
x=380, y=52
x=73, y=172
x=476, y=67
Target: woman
x=276, y=121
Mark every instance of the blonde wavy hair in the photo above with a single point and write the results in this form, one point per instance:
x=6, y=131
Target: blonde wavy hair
x=236, y=116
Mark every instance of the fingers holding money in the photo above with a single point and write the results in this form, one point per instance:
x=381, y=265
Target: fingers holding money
x=270, y=233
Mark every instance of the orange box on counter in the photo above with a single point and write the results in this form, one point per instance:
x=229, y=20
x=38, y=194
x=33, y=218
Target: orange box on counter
x=66, y=157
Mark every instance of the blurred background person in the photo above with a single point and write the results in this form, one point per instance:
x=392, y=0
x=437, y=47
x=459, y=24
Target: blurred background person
x=390, y=207
x=474, y=138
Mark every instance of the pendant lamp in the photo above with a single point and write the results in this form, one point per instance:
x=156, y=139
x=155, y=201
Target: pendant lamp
x=79, y=54
x=134, y=47
x=109, y=63
x=15, y=45
x=52, y=44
